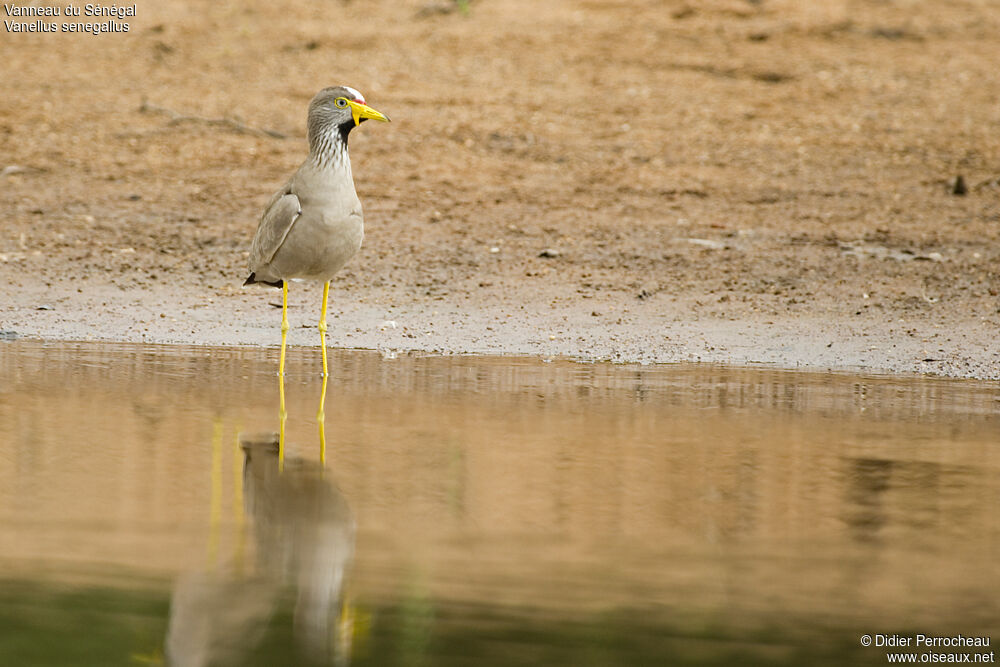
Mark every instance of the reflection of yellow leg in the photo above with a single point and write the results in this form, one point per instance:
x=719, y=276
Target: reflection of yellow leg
x=346, y=630
x=282, y=415
x=321, y=418
x=238, y=515
x=321, y=414
x=215, y=503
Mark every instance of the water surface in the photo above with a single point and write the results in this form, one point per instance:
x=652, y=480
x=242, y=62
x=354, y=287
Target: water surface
x=483, y=511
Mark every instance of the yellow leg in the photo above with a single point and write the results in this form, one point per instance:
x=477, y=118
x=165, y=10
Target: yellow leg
x=321, y=414
x=322, y=324
x=284, y=326
x=282, y=414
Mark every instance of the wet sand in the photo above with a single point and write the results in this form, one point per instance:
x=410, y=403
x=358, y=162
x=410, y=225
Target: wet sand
x=639, y=332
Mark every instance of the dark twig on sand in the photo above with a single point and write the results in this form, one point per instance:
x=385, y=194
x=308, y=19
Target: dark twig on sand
x=231, y=123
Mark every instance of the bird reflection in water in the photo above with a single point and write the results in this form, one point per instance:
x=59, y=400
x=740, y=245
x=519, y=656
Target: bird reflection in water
x=303, y=537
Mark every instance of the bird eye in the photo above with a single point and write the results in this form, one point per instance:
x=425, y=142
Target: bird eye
x=340, y=102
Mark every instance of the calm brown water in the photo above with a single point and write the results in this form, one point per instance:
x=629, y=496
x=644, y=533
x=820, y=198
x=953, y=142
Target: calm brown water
x=484, y=511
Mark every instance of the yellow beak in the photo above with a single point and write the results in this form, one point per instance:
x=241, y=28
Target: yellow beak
x=361, y=111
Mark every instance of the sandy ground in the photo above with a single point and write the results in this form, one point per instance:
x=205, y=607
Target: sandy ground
x=653, y=181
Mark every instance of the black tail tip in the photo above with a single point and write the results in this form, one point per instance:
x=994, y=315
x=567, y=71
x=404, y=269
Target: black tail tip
x=252, y=280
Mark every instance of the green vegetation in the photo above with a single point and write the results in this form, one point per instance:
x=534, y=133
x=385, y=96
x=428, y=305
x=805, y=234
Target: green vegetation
x=53, y=625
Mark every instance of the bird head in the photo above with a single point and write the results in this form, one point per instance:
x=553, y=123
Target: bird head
x=342, y=107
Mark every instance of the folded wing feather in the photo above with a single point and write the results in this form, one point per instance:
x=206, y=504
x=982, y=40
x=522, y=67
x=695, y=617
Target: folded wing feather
x=279, y=216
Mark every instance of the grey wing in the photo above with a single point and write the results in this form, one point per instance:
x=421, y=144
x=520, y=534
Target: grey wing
x=279, y=216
